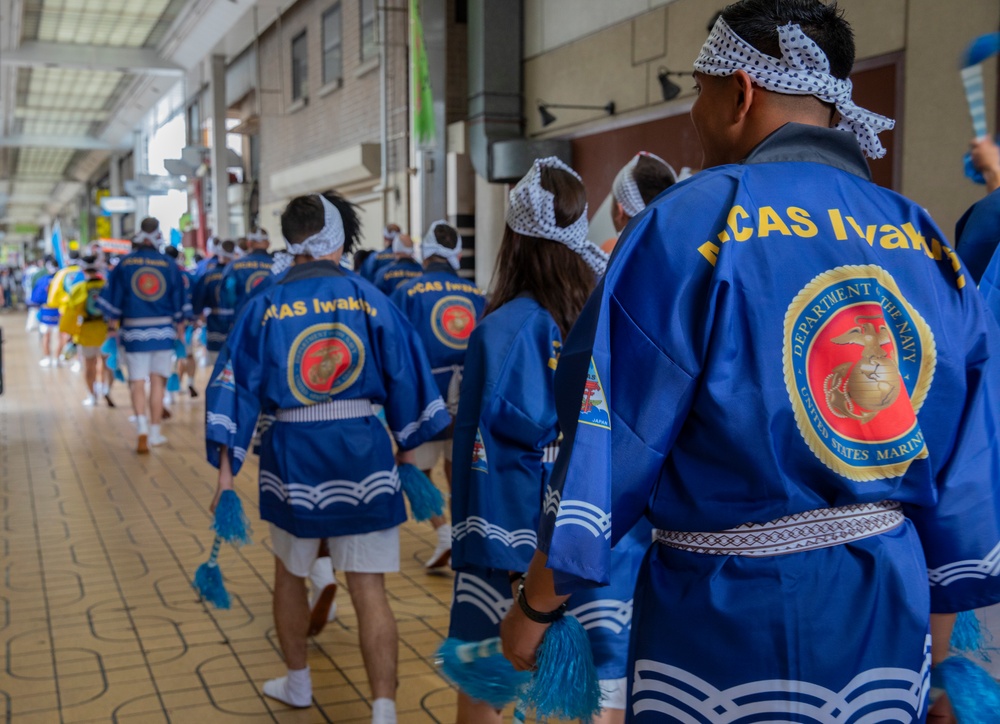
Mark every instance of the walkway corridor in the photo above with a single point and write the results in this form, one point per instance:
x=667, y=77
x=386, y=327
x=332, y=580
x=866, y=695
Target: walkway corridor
x=98, y=620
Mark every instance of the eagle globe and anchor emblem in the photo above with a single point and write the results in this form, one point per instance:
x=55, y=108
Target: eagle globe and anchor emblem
x=873, y=382
x=324, y=359
x=452, y=319
x=857, y=408
x=148, y=284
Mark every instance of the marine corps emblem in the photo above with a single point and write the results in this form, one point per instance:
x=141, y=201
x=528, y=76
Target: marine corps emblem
x=325, y=359
x=256, y=278
x=148, y=284
x=453, y=318
x=858, y=364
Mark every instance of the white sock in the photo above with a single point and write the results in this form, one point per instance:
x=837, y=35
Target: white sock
x=383, y=711
x=295, y=689
x=154, y=430
x=142, y=424
x=444, y=534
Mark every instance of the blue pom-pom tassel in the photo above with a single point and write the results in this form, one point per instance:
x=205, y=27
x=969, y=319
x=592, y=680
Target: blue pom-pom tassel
x=480, y=670
x=208, y=583
x=974, y=695
x=968, y=635
x=188, y=336
x=109, y=347
x=231, y=523
x=565, y=683
x=179, y=349
x=425, y=499
x=173, y=383
x=119, y=375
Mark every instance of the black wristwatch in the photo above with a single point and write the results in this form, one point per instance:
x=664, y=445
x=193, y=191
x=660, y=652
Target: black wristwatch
x=538, y=616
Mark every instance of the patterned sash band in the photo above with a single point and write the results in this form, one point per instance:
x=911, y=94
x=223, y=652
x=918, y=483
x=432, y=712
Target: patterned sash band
x=550, y=452
x=820, y=528
x=324, y=411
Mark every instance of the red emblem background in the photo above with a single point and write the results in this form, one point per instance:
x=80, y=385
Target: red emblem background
x=453, y=314
x=149, y=284
x=313, y=357
x=824, y=355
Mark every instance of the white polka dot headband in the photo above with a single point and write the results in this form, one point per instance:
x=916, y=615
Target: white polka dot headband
x=803, y=69
x=325, y=241
x=282, y=260
x=255, y=236
x=624, y=187
x=429, y=246
x=148, y=237
x=532, y=212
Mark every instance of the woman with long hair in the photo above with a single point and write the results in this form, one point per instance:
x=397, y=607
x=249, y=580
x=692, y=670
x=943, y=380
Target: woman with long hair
x=506, y=432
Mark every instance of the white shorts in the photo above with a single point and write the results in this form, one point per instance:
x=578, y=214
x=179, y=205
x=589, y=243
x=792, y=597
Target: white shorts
x=143, y=364
x=375, y=552
x=90, y=352
x=426, y=456
x=212, y=358
x=613, y=693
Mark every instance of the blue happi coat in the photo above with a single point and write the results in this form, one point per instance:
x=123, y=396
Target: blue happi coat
x=977, y=235
x=207, y=295
x=374, y=263
x=319, y=339
x=506, y=439
x=394, y=275
x=773, y=338
x=443, y=308
x=146, y=292
x=241, y=277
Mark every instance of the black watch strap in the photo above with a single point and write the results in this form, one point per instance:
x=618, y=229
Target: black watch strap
x=538, y=616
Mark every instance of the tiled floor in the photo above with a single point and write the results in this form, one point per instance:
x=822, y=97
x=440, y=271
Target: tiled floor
x=98, y=620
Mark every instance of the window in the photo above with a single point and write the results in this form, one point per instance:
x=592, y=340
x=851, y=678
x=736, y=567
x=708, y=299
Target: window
x=368, y=48
x=300, y=67
x=332, y=58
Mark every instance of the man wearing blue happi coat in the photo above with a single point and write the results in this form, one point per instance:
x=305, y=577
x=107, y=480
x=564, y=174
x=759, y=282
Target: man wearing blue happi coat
x=315, y=351
x=801, y=392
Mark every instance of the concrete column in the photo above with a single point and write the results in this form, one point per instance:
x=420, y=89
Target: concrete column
x=432, y=156
x=115, y=174
x=220, y=176
x=491, y=205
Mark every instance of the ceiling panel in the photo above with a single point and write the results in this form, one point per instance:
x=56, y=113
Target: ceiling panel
x=43, y=161
x=123, y=23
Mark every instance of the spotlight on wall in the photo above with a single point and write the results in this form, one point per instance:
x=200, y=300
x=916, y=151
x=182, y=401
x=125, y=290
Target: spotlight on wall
x=668, y=87
x=548, y=119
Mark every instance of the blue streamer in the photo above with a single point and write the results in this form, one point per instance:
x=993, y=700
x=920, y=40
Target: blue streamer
x=173, y=383
x=208, y=579
x=480, y=671
x=179, y=349
x=974, y=695
x=231, y=523
x=425, y=499
x=565, y=683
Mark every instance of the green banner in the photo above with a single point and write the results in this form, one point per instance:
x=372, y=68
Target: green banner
x=423, y=101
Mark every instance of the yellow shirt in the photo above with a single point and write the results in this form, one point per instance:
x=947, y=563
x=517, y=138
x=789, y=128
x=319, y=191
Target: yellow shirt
x=90, y=327
x=59, y=298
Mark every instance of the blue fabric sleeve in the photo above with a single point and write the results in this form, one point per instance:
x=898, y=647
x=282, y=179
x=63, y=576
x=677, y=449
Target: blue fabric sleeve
x=110, y=300
x=232, y=400
x=414, y=409
x=961, y=534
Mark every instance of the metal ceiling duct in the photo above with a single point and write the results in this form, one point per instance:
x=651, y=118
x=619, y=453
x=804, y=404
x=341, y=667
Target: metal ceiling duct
x=500, y=152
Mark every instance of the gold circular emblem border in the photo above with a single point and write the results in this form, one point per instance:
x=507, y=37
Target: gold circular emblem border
x=928, y=363
x=261, y=274
x=436, y=328
x=155, y=272
x=325, y=326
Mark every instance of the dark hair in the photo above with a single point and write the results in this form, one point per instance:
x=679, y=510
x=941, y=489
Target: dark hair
x=360, y=257
x=652, y=178
x=228, y=246
x=149, y=224
x=757, y=21
x=198, y=257
x=304, y=216
x=553, y=274
x=446, y=236
x=172, y=251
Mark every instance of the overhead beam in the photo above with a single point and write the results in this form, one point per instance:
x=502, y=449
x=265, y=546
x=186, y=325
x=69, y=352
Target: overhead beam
x=80, y=143
x=35, y=54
